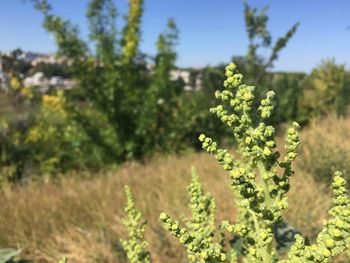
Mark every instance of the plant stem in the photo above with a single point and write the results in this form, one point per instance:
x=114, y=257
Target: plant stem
x=267, y=250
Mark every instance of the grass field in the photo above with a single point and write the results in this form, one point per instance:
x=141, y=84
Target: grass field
x=81, y=217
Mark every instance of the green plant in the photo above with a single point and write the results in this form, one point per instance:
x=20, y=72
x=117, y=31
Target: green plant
x=260, y=180
x=8, y=254
x=199, y=236
x=135, y=246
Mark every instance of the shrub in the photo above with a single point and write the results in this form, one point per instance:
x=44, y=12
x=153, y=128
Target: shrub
x=327, y=90
x=260, y=181
x=57, y=142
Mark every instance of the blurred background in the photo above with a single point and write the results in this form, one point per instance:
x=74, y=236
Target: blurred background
x=102, y=93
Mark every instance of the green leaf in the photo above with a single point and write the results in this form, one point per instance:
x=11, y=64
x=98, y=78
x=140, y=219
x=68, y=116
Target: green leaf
x=7, y=254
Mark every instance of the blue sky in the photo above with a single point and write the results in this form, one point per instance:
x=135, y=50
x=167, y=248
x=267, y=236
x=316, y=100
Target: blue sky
x=211, y=31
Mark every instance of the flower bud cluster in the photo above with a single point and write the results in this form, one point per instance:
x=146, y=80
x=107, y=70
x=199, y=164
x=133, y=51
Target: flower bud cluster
x=199, y=236
x=261, y=192
x=238, y=113
x=202, y=206
x=291, y=147
x=135, y=247
x=255, y=181
x=259, y=143
x=266, y=105
x=239, y=98
x=335, y=235
x=222, y=156
x=293, y=142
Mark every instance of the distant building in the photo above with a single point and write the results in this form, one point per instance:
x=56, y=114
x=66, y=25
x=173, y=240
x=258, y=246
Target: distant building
x=38, y=79
x=5, y=53
x=44, y=84
x=47, y=59
x=191, y=78
x=34, y=58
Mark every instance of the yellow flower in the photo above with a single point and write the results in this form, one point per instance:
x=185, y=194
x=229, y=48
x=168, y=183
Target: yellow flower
x=15, y=83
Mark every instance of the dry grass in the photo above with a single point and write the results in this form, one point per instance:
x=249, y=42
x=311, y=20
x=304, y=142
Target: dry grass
x=326, y=148
x=81, y=218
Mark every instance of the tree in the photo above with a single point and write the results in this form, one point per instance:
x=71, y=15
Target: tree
x=259, y=37
x=161, y=107
x=109, y=76
x=114, y=81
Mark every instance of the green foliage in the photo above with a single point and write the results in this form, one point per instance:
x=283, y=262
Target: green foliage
x=161, y=110
x=135, y=247
x=101, y=84
x=56, y=141
x=39, y=135
x=327, y=90
x=115, y=82
x=290, y=88
x=15, y=121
